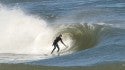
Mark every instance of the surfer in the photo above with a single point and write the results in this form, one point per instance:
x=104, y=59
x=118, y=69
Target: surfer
x=55, y=43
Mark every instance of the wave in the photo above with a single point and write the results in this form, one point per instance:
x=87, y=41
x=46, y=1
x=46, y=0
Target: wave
x=23, y=33
x=33, y=32
x=84, y=36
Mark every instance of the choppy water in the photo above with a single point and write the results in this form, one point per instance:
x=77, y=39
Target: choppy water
x=93, y=30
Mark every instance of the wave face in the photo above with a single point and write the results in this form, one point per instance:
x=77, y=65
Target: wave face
x=84, y=36
x=93, y=30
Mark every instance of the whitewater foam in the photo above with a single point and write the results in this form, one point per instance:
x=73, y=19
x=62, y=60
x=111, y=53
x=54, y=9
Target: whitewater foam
x=23, y=34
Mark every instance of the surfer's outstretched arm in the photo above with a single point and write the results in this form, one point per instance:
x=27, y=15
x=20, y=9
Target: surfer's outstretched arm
x=63, y=43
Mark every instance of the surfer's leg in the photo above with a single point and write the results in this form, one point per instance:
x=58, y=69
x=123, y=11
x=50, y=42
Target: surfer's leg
x=58, y=48
x=53, y=49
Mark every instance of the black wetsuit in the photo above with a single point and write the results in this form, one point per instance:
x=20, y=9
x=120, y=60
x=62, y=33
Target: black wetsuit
x=56, y=40
x=55, y=44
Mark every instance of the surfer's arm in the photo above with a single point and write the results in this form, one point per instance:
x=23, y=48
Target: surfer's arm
x=63, y=43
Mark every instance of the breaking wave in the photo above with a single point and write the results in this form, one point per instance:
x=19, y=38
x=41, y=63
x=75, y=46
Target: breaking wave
x=84, y=36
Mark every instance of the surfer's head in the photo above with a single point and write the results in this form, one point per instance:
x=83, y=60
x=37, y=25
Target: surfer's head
x=60, y=35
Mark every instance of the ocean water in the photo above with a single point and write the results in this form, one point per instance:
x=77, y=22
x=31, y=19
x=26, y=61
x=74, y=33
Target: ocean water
x=93, y=30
